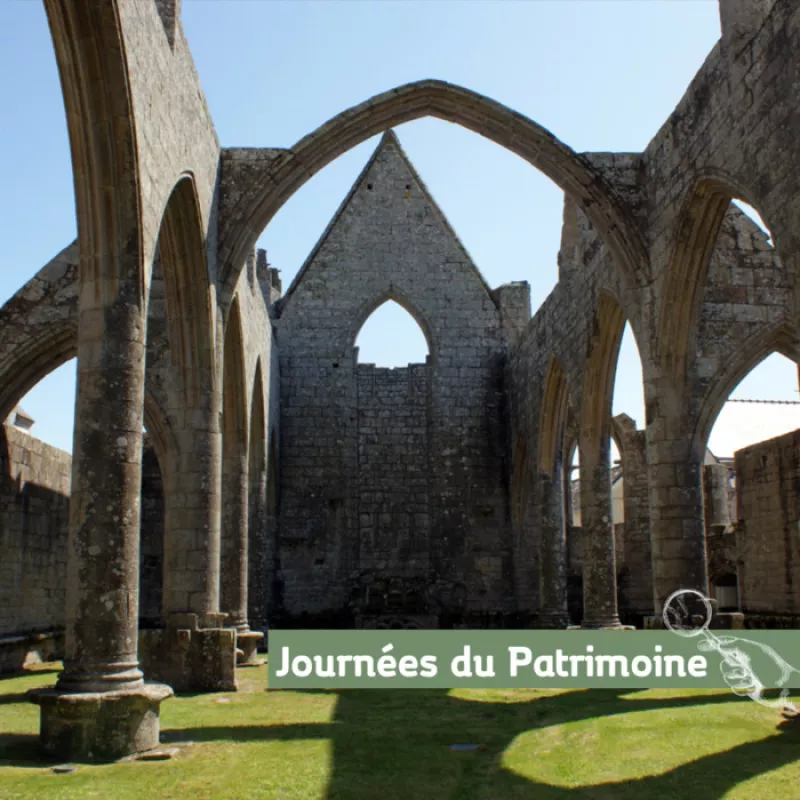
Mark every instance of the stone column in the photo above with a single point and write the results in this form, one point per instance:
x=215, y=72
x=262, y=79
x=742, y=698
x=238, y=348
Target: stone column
x=599, y=553
x=636, y=499
x=258, y=552
x=194, y=652
x=192, y=538
x=101, y=708
x=552, y=549
x=677, y=526
x=233, y=591
x=235, y=553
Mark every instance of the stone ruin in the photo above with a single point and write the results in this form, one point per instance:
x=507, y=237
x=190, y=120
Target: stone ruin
x=283, y=483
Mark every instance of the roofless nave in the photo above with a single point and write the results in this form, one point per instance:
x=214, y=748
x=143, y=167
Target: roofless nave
x=296, y=481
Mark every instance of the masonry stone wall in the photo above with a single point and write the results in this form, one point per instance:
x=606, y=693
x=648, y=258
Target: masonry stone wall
x=254, y=298
x=390, y=241
x=393, y=470
x=38, y=331
x=174, y=130
x=264, y=579
x=744, y=306
x=733, y=123
x=34, y=504
x=649, y=238
x=561, y=332
x=768, y=546
x=34, y=523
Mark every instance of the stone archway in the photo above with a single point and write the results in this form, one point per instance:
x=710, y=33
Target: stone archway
x=553, y=566
x=696, y=233
x=233, y=572
x=269, y=188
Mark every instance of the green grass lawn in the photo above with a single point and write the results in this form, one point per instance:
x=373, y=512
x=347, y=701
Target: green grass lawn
x=389, y=745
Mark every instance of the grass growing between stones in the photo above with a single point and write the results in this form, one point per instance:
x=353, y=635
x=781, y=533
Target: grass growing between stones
x=393, y=745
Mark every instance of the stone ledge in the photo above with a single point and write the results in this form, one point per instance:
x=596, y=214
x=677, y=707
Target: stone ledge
x=619, y=627
x=760, y=620
x=722, y=621
x=17, y=651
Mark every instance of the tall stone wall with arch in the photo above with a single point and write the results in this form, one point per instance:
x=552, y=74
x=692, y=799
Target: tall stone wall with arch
x=441, y=534
x=167, y=223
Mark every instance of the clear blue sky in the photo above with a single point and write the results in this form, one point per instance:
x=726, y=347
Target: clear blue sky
x=600, y=75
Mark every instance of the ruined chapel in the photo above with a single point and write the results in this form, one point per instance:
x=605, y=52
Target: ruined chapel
x=281, y=481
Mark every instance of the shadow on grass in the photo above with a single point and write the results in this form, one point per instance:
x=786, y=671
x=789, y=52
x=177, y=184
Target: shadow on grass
x=23, y=750
x=16, y=697
x=29, y=672
x=393, y=744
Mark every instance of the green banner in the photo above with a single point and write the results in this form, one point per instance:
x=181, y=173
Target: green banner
x=749, y=662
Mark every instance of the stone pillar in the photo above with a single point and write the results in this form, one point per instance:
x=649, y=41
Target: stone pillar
x=235, y=554
x=552, y=549
x=273, y=594
x=101, y=708
x=514, y=304
x=599, y=553
x=233, y=594
x=636, y=499
x=677, y=527
x=193, y=652
x=192, y=537
x=258, y=565
x=717, y=504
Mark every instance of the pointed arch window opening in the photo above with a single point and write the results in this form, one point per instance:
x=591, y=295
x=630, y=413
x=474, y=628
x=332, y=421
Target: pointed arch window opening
x=617, y=482
x=762, y=406
x=39, y=416
x=392, y=337
x=755, y=217
x=627, y=399
x=573, y=486
x=628, y=391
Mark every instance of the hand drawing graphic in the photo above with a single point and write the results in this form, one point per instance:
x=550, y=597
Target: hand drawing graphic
x=688, y=613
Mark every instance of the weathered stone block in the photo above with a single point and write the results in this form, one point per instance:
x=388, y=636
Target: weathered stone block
x=100, y=727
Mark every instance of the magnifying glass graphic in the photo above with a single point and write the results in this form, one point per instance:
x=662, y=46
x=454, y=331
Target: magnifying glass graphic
x=688, y=614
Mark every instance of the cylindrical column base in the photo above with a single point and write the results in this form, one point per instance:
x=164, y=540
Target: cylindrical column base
x=120, y=677
x=247, y=647
x=97, y=726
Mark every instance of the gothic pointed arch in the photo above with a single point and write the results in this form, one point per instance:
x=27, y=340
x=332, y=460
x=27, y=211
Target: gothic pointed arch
x=394, y=295
x=38, y=327
x=39, y=333
x=235, y=412
x=181, y=245
x=554, y=416
x=599, y=373
x=93, y=66
x=235, y=405
x=776, y=339
x=258, y=547
x=695, y=238
x=287, y=170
